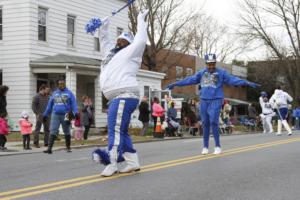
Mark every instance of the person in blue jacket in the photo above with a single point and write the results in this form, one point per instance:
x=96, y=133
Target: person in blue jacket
x=63, y=107
x=211, y=80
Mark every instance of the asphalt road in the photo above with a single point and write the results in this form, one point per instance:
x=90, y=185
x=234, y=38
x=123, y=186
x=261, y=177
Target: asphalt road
x=251, y=167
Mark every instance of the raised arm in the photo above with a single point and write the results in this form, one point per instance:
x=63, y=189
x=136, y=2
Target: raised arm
x=137, y=47
x=236, y=81
x=191, y=80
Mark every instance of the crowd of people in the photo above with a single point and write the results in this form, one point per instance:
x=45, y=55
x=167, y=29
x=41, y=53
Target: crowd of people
x=51, y=111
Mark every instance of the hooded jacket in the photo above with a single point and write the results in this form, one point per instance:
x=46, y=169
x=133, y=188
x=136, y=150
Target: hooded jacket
x=280, y=99
x=212, y=83
x=61, y=102
x=119, y=69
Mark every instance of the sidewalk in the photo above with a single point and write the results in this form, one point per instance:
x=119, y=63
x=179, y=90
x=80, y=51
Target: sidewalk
x=16, y=148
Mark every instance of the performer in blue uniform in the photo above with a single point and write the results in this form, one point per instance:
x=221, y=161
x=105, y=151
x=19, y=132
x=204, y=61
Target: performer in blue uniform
x=119, y=85
x=211, y=80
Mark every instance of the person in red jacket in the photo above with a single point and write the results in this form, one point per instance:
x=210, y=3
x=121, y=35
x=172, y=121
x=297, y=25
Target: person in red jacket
x=3, y=131
x=26, y=129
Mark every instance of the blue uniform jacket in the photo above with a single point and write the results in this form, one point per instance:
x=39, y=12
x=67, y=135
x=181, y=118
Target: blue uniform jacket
x=61, y=102
x=212, y=83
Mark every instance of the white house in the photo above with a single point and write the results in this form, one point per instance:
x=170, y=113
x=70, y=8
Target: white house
x=43, y=40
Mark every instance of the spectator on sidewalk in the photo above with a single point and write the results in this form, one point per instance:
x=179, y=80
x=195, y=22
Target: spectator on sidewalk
x=26, y=130
x=3, y=103
x=3, y=115
x=157, y=111
x=63, y=108
x=78, y=130
x=144, y=115
x=39, y=105
x=86, y=114
x=3, y=131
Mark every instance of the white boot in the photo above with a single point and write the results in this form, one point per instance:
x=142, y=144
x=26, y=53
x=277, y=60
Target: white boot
x=132, y=162
x=279, y=128
x=112, y=168
x=204, y=151
x=287, y=127
x=218, y=150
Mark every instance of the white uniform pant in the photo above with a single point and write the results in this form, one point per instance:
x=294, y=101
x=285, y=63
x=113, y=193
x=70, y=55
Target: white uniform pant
x=267, y=122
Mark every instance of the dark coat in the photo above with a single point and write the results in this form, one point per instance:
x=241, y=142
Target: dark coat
x=144, y=112
x=86, y=115
x=3, y=105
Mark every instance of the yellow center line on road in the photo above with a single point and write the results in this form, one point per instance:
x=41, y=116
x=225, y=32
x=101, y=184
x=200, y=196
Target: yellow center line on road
x=13, y=194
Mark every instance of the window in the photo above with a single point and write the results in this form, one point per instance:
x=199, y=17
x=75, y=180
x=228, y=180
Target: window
x=1, y=77
x=189, y=71
x=146, y=91
x=179, y=73
x=119, y=31
x=71, y=31
x=1, y=23
x=96, y=44
x=42, y=21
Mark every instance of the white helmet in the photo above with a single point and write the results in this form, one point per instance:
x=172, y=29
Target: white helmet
x=126, y=36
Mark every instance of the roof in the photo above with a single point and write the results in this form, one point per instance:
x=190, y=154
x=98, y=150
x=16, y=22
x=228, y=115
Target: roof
x=67, y=59
x=237, y=101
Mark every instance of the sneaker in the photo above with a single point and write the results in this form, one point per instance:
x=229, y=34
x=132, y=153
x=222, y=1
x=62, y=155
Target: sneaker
x=218, y=151
x=289, y=133
x=265, y=132
x=278, y=133
x=204, y=151
x=110, y=170
x=37, y=146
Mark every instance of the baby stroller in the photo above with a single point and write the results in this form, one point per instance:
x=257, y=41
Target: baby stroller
x=172, y=128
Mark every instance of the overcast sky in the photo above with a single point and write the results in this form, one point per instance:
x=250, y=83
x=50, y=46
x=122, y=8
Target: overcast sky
x=223, y=10
x=226, y=12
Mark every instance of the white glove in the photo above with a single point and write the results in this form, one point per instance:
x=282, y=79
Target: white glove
x=104, y=27
x=141, y=19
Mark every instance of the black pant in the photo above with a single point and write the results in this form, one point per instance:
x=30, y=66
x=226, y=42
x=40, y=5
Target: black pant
x=2, y=140
x=38, y=126
x=162, y=118
x=86, y=132
x=26, y=141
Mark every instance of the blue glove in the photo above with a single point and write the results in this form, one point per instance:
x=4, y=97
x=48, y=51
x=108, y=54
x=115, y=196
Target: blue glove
x=254, y=85
x=171, y=86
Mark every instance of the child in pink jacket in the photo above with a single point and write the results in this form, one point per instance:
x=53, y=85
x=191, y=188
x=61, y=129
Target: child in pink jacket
x=157, y=111
x=26, y=129
x=3, y=132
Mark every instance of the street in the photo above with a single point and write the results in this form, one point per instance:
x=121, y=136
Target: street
x=254, y=166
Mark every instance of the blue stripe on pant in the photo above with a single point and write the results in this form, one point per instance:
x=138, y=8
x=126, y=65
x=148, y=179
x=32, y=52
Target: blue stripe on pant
x=119, y=115
x=210, y=112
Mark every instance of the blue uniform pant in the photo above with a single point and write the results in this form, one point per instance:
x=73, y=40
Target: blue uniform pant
x=119, y=115
x=56, y=121
x=283, y=113
x=210, y=112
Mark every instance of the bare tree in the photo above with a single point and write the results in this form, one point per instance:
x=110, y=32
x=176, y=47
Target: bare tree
x=274, y=24
x=207, y=35
x=166, y=24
